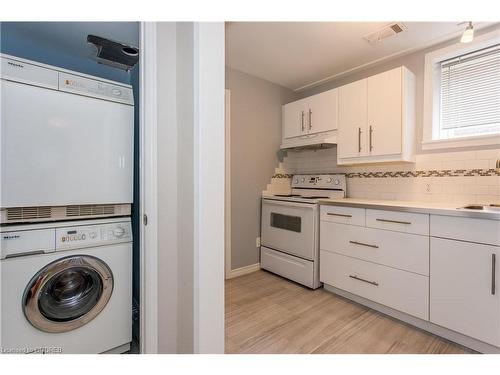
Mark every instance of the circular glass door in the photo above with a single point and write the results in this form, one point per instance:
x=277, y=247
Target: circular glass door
x=67, y=293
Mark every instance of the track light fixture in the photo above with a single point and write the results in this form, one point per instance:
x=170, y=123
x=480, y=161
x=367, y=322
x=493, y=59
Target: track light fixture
x=468, y=34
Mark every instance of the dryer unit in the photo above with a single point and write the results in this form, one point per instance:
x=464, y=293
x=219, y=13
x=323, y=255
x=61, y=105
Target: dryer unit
x=66, y=144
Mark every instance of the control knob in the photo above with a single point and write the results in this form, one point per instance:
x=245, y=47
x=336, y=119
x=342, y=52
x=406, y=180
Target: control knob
x=329, y=179
x=118, y=232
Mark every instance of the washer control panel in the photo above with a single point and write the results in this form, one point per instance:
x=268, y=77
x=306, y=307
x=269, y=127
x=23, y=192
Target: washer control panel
x=93, y=235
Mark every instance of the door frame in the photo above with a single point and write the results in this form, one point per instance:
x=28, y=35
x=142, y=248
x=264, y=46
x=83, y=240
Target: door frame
x=207, y=48
x=227, y=187
x=148, y=191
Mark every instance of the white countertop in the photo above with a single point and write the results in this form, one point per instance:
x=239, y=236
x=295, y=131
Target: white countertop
x=448, y=209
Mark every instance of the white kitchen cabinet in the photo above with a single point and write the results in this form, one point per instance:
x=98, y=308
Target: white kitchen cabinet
x=400, y=290
x=384, y=113
x=310, y=118
x=294, y=120
x=352, y=116
x=323, y=112
x=377, y=119
x=464, y=294
x=404, y=251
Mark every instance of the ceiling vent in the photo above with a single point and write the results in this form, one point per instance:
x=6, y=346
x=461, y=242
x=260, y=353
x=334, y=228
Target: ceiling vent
x=385, y=32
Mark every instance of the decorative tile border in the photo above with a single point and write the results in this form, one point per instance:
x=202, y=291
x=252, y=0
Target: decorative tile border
x=430, y=173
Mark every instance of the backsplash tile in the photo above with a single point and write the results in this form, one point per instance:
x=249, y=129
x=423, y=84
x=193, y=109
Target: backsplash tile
x=454, y=177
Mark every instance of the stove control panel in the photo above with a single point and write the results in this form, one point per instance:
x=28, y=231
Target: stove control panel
x=319, y=181
x=92, y=235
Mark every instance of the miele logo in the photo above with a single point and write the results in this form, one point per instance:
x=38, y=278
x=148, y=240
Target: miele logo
x=14, y=64
x=69, y=82
x=11, y=237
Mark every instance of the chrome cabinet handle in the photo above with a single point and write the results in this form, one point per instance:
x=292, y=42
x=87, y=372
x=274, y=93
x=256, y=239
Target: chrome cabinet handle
x=342, y=215
x=359, y=139
x=355, y=277
x=363, y=244
x=371, y=131
x=302, y=120
x=493, y=273
x=310, y=119
x=394, y=221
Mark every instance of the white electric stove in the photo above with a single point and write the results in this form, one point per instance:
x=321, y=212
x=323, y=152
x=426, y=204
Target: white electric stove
x=290, y=227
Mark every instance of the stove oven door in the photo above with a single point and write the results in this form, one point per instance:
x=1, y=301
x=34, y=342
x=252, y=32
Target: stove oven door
x=290, y=227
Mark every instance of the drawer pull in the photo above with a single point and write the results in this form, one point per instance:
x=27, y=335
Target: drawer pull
x=363, y=280
x=364, y=244
x=342, y=215
x=395, y=221
x=493, y=273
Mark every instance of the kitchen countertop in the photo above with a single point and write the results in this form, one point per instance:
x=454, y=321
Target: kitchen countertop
x=447, y=209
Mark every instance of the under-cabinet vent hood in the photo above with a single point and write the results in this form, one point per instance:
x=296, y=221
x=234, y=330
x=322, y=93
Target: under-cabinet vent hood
x=311, y=141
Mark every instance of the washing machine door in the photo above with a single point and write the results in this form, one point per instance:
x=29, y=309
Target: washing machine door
x=67, y=293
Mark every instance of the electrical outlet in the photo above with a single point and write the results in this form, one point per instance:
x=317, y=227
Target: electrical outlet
x=257, y=242
x=428, y=188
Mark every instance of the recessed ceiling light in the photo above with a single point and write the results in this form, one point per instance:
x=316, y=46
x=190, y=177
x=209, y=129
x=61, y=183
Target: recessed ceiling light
x=468, y=34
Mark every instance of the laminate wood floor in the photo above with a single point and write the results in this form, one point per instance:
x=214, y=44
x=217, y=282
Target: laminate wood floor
x=268, y=314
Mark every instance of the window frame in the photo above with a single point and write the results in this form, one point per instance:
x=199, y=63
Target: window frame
x=432, y=93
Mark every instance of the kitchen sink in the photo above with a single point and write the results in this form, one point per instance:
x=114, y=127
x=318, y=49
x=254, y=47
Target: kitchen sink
x=482, y=207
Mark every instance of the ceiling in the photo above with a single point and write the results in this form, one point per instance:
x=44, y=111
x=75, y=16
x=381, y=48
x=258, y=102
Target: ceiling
x=64, y=44
x=300, y=55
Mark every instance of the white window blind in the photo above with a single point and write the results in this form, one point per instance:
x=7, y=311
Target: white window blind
x=470, y=94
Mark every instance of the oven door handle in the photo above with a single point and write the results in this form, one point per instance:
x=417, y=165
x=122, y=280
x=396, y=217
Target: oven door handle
x=270, y=201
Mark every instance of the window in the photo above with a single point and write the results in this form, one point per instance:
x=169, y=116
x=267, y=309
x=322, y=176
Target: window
x=462, y=95
x=470, y=94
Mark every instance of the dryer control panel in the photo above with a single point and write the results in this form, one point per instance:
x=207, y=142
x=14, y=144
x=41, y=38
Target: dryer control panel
x=93, y=235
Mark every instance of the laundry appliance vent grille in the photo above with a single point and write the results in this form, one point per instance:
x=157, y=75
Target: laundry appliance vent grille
x=27, y=213
x=90, y=210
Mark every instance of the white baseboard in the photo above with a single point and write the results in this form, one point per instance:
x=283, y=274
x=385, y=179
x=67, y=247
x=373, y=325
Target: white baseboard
x=243, y=271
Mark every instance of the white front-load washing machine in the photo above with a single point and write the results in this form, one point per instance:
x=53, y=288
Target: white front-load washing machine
x=66, y=287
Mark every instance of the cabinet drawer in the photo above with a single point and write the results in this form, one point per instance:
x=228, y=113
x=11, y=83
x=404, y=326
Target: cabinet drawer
x=409, y=252
x=398, y=221
x=343, y=215
x=293, y=268
x=400, y=290
x=466, y=229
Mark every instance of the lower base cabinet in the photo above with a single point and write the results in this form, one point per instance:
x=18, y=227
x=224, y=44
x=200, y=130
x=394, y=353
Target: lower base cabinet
x=400, y=290
x=463, y=288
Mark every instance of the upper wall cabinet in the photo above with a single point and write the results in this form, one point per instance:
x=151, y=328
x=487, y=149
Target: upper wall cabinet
x=376, y=121
x=312, y=120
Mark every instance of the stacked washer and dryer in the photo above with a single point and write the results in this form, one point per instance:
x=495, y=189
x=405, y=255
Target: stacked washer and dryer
x=65, y=203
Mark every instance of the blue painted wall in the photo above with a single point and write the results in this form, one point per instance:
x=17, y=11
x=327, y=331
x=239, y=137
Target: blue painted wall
x=64, y=44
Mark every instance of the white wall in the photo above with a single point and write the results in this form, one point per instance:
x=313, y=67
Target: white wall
x=190, y=187
x=209, y=187
x=166, y=168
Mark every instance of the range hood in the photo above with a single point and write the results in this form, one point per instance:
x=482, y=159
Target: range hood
x=311, y=141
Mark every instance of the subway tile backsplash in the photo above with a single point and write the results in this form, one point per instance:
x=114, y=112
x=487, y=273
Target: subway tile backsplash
x=453, y=177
